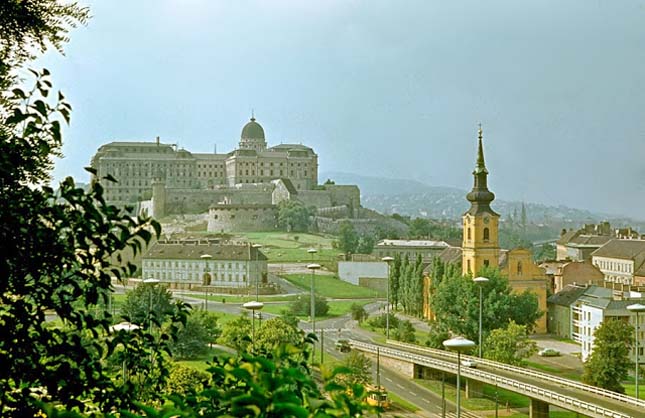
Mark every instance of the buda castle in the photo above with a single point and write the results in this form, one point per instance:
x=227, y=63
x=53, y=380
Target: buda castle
x=243, y=186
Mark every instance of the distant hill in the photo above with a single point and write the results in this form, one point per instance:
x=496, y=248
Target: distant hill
x=416, y=199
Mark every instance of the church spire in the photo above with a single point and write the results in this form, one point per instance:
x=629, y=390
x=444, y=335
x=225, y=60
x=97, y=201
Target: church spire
x=480, y=197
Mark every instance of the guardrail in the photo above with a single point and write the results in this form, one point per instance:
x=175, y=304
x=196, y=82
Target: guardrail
x=526, y=372
x=535, y=392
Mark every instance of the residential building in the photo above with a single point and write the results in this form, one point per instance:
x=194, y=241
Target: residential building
x=564, y=273
x=559, y=310
x=579, y=244
x=427, y=249
x=599, y=304
x=197, y=263
x=622, y=262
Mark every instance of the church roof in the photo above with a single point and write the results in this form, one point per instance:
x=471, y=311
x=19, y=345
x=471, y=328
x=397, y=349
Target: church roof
x=252, y=130
x=480, y=197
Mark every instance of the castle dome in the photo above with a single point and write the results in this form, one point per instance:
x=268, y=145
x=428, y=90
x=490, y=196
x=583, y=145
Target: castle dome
x=252, y=130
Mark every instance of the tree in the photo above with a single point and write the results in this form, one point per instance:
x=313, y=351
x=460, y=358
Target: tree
x=148, y=300
x=301, y=306
x=359, y=368
x=31, y=26
x=237, y=333
x=56, y=249
x=347, y=237
x=455, y=303
x=275, y=332
x=293, y=216
x=358, y=312
x=609, y=362
x=194, y=336
x=510, y=345
x=395, y=285
x=365, y=244
x=419, y=228
x=404, y=331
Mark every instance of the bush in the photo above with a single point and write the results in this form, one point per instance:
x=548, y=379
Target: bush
x=183, y=380
x=301, y=306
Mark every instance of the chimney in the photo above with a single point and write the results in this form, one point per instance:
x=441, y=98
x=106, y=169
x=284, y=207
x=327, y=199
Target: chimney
x=157, y=140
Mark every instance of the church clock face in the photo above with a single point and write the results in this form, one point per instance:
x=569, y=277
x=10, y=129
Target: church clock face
x=486, y=220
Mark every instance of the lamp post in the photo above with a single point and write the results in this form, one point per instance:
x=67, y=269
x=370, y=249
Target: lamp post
x=206, y=257
x=458, y=345
x=253, y=306
x=124, y=326
x=257, y=278
x=312, y=300
x=637, y=308
x=388, y=260
x=480, y=281
x=152, y=282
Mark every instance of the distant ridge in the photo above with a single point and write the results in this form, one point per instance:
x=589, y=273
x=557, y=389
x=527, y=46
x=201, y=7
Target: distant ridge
x=417, y=199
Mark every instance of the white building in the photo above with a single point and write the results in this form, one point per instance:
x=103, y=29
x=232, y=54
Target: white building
x=360, y=272
x=190, y=263
x=598, y=304
x=621, y=260
x=427, y=249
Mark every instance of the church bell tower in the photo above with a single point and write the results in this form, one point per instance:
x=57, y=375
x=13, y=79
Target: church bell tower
x=480, y=246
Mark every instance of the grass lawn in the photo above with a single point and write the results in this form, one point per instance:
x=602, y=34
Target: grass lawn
x=336, y=308
x=401, y=403
x=478, y=404
x=200, y=363
x=566, y=373
x=247, y=298
x=332, y=287
x=630, y=389
x=291, y=247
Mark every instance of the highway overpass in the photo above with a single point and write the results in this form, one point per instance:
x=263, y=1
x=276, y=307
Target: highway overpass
x=543, y=389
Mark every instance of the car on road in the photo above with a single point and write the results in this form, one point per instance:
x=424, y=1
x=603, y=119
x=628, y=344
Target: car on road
x=548, y=352
x=343, y=346
x=469, y=363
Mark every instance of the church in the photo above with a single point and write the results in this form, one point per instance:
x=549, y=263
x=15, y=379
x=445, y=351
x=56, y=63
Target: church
x=480, y=245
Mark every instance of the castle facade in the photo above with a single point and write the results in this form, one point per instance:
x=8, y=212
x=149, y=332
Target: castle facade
x=249, y=180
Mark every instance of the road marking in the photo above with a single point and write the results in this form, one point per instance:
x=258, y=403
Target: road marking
x=413, y=394
x=399, y=386
x=388, y=379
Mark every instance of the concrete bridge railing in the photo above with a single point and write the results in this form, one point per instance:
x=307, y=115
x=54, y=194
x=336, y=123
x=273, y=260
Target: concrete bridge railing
x=531, y=373
x=532, y=391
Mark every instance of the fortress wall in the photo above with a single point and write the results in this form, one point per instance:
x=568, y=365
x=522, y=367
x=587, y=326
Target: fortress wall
x=199, y=200
x=240, y=218
x=344, y=195
x=317, y=198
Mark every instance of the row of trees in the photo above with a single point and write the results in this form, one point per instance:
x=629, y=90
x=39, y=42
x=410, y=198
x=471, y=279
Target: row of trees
x=406, y=285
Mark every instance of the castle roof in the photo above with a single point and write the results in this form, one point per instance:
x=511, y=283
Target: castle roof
x=252, y=130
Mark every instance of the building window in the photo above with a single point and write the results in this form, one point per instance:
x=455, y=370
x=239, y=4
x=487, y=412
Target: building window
x=519, y=268
x=486, y=235
x=469, y=237
x=486, y=263
x=468, y=263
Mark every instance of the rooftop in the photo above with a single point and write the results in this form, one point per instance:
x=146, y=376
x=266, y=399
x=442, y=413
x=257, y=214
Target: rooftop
x=627, y=249
x=412, y=243
x=193, y=250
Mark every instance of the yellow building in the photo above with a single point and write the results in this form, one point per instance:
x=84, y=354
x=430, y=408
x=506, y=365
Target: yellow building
x=480, y=246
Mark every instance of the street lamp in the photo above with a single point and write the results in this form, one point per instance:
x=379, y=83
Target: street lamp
x=638, y=308
x=257, y=278
x=480, y=281
x=388, y=260
x=151, y=281
x=458, y=344
x=124, y=326
x=206, y=257
x=312, y=309
x=253, y=306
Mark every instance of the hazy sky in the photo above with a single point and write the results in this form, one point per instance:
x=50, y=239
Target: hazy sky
x=383, y=88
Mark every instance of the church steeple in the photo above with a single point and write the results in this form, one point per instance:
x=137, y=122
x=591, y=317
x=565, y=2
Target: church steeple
x=480, y=197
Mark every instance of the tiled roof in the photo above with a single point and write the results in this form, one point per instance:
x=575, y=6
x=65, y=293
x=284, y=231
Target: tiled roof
x=567, y=296
x=626, y=249
x=193, y=251
x=564, y=239
x=411, y=243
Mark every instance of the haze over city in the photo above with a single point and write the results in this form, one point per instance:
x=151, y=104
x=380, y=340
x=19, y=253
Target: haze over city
x=392, y=89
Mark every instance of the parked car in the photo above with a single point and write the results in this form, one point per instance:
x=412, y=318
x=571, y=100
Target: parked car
x=343, y=346
x=469, y=363
x=548, y=352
